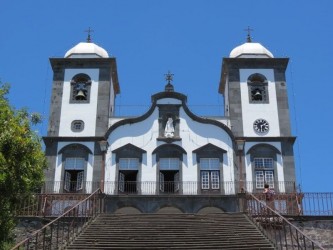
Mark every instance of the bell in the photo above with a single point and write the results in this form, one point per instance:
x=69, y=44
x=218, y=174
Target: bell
x=80, y=95
x=257, y=95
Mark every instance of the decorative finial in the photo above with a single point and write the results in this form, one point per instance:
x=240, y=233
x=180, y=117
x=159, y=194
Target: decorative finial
x=248, y=38
x=169, y=78
x=89, y=31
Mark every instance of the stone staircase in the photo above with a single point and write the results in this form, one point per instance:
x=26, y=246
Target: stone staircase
x=171, y=231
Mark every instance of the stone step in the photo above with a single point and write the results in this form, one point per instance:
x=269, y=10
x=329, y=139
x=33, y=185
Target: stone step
x=185, y=246
x=171, y=231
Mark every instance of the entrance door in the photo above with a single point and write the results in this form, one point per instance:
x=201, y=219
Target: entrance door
x=169, y=181
x=127, y=181
x=73, y=180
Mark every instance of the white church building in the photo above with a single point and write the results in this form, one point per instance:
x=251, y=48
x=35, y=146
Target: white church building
x=169, y=149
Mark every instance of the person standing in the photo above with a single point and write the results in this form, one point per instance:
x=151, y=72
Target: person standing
x=269, y=196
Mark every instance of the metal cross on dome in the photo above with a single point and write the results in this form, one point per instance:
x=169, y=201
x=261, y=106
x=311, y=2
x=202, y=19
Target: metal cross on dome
x=89, y=31
x=249, y=39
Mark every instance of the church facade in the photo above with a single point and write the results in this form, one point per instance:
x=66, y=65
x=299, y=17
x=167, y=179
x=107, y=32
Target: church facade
x=169, y=149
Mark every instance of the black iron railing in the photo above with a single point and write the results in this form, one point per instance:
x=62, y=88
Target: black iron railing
x=61, y=231
x=314, y=204
x=293, y=203
x=277, y=228
x=41, y=205
x=170, y=187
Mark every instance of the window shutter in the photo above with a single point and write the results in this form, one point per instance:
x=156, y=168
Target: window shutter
x=79, y=181
x=260, y=179
x=121, y=185
x=67, y=184
x=162, y=182
x=215, y=179
x=204, y=179
x=269, y=178
x=176, y=178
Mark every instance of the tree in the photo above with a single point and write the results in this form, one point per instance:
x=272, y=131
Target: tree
x=22, y=161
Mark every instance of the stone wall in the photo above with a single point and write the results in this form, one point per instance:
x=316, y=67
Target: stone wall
x=27, y=226
x=319, y=229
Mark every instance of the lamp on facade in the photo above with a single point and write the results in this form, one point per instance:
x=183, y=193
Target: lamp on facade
x=104, y=147
x=240, y=145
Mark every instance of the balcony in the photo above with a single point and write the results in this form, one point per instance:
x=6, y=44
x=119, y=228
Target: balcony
x=164, y=188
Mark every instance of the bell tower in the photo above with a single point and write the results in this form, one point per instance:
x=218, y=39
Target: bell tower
x=254, y=86
x=85, y=85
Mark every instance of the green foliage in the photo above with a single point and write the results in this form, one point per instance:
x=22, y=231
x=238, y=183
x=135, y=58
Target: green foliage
x=22, y=161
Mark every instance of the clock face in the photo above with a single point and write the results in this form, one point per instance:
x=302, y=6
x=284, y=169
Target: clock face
x=261, y=126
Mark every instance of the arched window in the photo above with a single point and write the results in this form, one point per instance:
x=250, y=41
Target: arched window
x=80, y=89
x=258, y=88
x=75, y=158
x=264, y=165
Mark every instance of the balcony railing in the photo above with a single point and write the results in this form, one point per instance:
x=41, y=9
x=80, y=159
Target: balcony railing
x=50, y=204
x=296, y=204
x=166, y=187
x=318, y=204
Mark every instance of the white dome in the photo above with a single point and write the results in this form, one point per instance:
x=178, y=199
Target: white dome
x=86, y=50
x=251, y=50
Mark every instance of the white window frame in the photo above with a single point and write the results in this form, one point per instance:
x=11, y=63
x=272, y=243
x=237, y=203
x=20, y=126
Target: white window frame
x=75, y=163
x=129, y=163
x=210, y=179
x=169, y=163
x=210, y=173
x=264, y=172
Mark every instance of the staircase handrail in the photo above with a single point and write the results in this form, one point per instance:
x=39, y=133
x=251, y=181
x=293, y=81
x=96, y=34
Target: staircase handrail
x=80, y=216
x=270, y=220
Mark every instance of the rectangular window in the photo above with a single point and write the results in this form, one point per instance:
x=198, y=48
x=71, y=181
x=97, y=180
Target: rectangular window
x=169, y=163
x=128, y=163
x=264, y=172
x=210, y=180
x=209, y=164
x=210, y=173
x=266, y=163
x=73, y=163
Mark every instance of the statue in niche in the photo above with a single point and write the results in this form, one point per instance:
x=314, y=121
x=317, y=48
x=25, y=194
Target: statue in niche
x=169, y=128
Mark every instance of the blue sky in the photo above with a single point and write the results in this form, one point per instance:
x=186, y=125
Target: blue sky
x=189, y=38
